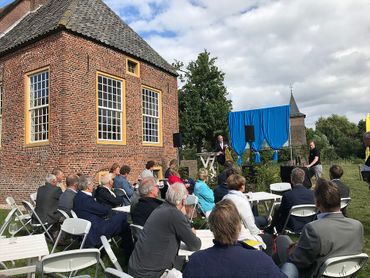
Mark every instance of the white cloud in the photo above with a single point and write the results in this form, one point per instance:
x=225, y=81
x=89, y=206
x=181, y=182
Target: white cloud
x=321, y=47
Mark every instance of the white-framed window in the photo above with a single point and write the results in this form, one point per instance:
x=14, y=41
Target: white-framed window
x=151, y=103
x=1, y=110
x=38, y=107
x=111, y=116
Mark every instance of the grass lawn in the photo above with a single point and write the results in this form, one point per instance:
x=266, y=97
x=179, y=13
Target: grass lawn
x=358, y=209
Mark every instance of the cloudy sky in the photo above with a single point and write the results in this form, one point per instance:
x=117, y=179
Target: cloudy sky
x=321, y=47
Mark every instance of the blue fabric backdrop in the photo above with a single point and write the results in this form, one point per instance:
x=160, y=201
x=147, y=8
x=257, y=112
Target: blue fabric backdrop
x=270, y=124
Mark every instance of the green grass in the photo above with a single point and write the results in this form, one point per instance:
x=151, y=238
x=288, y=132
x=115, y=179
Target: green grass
x=358, y=209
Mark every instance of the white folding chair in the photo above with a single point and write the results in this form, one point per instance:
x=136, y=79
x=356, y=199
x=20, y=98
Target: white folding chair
x=135, y=231
x=75, y=227
x=64, y=214
x=7, y=221
x=344, y=202
x=280, y=187
x=122, y=192
x=45, y=226
x=192, y=200
x=74, y=215
x=299, y=211
x=111, y=255
x=69, y=261
x=24, y=219
x=33, y=197
x=114, y=273
x=343, y=266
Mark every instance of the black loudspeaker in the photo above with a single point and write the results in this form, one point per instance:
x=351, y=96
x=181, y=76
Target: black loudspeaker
x=249, y=133
x=177, y=140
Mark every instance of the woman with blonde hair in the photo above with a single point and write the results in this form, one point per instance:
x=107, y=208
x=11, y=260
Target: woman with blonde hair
x=204, y=193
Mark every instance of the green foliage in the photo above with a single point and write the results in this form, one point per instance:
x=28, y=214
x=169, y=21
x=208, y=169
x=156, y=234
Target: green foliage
x=203, y=105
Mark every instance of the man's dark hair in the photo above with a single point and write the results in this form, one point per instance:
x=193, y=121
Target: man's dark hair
x=327, y=195
x=336, y=172
x=56, y=171
x=230, y=172
x=125, y=169
x=149, y=164
x=72, y=180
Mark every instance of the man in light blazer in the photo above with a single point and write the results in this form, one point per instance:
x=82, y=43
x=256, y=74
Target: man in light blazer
x=330, y=236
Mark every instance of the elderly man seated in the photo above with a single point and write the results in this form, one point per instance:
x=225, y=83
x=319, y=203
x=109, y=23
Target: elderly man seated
x=103, y=221
x=104, y=193
x=148, y=190
x=66, y=199
x=330, y=236
x=158, y=244
x=228, y=257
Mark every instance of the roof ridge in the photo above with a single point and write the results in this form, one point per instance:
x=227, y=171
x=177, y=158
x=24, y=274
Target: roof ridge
x=66, y=17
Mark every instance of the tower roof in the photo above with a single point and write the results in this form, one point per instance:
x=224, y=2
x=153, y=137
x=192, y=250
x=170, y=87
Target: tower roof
x=91, y=19
x=294, y=111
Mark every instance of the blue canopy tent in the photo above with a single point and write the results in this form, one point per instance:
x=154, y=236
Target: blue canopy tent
x=270, y=124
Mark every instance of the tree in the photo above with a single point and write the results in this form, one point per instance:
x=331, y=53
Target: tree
x=203, y=106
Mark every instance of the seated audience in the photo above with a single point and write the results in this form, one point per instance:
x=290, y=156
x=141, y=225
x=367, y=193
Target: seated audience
x=58, y=173
x=221, y=189
x=329, y=236
x=229, y=164
x=103, y=221
x=172, y=165
x=174, y=177
x=121, y=182
x=204, y=193
x=228, y=257
x=299, y=195
x=114, y=169
x=66, y=199
x=148, y=171
x=148, y=190
x=336, y=172
x=47, y=200
x=104, y=193
x=249, y=230
x=158, y=244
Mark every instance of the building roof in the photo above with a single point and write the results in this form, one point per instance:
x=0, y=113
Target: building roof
x=294, y=111
x=91, y=19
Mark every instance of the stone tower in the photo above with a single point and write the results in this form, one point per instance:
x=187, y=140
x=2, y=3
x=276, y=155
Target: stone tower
x=297, y=126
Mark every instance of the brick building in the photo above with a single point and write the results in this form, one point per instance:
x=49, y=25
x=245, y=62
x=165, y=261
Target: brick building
x=79, y=90
x=297, y=125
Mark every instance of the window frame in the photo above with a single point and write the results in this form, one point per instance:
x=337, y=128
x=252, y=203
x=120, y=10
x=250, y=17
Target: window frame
x=137, y=71
x=123, y=110
x=160, y=117
x=27, y=82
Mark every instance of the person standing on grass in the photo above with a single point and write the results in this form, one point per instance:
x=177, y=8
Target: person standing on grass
x=314, y=166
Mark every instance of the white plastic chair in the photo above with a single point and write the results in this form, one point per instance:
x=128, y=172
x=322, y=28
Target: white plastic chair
x=7, y=221
x=69, y=261
x=110, y=253
x=344, y=202
x=24, y=219
x=280, y=187
x=75, y=227
x=114, y=273
x=33, y=197
x=299, y=211
x=192, y=200
x=64, y=214
x=135, y=231
x=122, y=192
x=343, y=266
x=74, y=215
x=45, y=226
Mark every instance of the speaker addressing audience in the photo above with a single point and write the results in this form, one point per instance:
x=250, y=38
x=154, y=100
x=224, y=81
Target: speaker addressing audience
x=314, y=166
x=330, y=235
x=220, y=149
x=228, y=257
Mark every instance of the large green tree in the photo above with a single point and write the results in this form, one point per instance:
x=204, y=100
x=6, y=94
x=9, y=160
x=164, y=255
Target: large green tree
x=203, y=103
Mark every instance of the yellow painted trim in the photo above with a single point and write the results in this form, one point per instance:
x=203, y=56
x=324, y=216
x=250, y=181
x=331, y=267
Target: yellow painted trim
x=27, y=119
x=137, y=73
x=160, y=171
x=160, y=131
x=123, y=107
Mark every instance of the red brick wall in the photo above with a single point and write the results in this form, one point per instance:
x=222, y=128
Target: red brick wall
x=73, y=63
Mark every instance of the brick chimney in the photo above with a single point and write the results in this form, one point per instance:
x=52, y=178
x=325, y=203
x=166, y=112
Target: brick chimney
x=13, y=12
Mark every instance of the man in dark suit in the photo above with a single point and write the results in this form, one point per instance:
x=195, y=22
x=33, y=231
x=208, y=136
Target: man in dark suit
x=330, y=236
x=220, y=149
x=103, y=221
x=104, y=193
x=336, y=172
x=47, y=200
x=66, y=199
x=299, y=195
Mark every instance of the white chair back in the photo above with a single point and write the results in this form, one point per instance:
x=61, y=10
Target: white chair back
x=33, y=197
x=7, y=221
x=344, y=202
x=343, y=266
x=110, y=253
x=300, y=211
x=74, y=215
x=23, y=218
x=192, y=200
x=69, y=261
x=280, y=187
x=135, y=231
x=76, y=227
x=114, y=273
x=64, y=214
